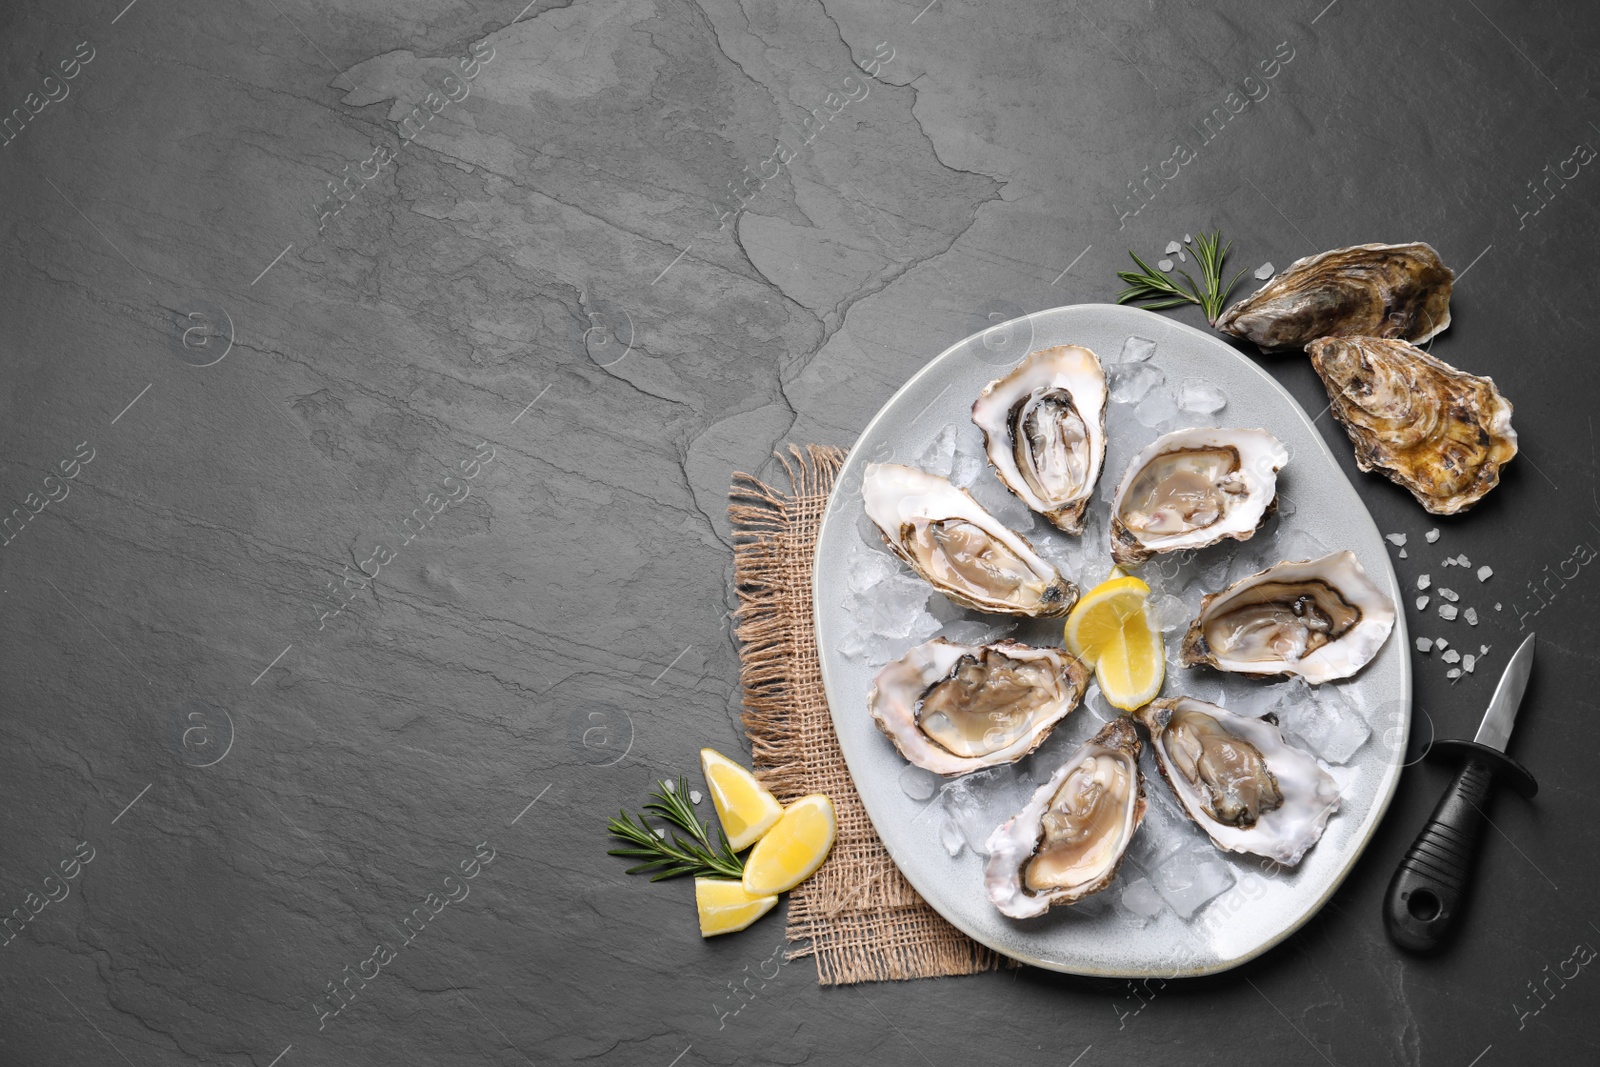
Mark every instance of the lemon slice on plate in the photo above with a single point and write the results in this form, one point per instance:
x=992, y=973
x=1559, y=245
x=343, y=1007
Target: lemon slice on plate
x=792, y=850
x=1109, y=629
x=726, y=908
x=743, y=804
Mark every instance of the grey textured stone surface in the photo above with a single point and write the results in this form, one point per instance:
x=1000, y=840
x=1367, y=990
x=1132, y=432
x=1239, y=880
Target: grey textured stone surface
x=265, y=789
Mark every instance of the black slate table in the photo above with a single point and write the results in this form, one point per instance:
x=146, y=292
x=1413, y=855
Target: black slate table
x=374, y=374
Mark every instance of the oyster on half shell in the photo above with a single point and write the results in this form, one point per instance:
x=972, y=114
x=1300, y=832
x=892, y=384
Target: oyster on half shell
x=1319, y=619
x=1235, y=776
x=1069, y=839
x=1437, y=431
x=1044, y=428
x=1374, y=290
x=954, y=708
x=959, y=548
x=1193, y=488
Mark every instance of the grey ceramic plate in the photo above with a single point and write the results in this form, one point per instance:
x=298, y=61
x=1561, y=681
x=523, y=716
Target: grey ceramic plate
x=1264, y=905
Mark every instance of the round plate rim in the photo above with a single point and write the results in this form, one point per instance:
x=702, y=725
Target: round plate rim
x=1391, y=776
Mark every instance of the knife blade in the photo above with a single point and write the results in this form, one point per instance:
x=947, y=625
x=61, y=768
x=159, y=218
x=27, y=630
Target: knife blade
x=1428, y=891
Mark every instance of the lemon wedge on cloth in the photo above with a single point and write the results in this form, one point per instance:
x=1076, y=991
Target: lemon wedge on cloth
x=1109, y=629
x=743, y=804
x=793, y=849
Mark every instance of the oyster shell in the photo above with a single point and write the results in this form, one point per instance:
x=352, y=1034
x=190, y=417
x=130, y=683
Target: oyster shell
x=958, y=547
x=1192, y=488
x=1246, y=787
x=1372, y=290
x=1044, y=428
x=1069, y=839
x=1437, y=431
x=1319, y=619
x=955, y=708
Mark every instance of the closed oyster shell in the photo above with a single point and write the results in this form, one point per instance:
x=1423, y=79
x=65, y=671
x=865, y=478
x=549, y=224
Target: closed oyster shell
x=1437, y=431
x=953, y=709
x=1374, y=290
x=1069, y=839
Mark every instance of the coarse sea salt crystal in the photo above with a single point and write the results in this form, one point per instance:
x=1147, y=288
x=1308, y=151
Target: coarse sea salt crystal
x=1165, y=265
x=1485, y=573
x=1452, y=656
x=1172, y=247
x=1483, y=650
x=1447, y=612
x=1471, y=615
x=1463, y=561
x=1424, y=644
x=1453, y=673
x=1497, y=605
x=1424, y=580
x=1468, y=662
x=1450, y=595
x=695, y=797
x=1264, y=271
x=1422, y=603
x=1442, y=643
x=1395, y=539
x=1432, y=535
x=1402, y=553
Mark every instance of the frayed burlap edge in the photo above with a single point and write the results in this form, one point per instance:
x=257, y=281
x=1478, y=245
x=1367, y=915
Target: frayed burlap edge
x=857, y=916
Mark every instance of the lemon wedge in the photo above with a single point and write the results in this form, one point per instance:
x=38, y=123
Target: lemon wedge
x=726, y=908
x=743, y=804
x=1109, y=629
x=792, y=850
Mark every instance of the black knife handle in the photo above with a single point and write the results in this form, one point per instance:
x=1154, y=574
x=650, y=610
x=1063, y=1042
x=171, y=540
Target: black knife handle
x=1429, y=888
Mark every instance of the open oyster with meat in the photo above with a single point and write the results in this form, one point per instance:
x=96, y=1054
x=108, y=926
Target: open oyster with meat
x=1193, y=488
x=1439, y=432
x=1068, y=841
x=1318, y=619
x=1371, y=290
x=958, y=547
x=1238, y=779
x=1044, y=429
x=953, y=708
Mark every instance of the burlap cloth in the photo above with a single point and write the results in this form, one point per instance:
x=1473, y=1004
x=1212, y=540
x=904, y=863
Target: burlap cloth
x=857, y=916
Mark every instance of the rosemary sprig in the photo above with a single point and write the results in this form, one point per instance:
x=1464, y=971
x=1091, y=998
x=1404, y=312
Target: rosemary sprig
x=664, y=859
x=1146, y=284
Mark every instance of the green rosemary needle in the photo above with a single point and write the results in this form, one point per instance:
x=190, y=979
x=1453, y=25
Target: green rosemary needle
x=1155, y=291
x=670, y=859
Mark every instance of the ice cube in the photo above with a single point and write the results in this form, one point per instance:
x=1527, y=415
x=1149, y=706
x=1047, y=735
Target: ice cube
x=918, y=783
x=969, y=460
x=1471, y=615
x=1285, y=506
x=1140, y=897
x=1165, y=265
x=1167, y=612
x=1449, y=594
x=938, y=455
x=1157, y=409
x=1422, y=603
x=950, y=835
x=1424, y=644
x=1191, y=878
x=1432, y=535
x=1447, y=612
x=1424, y=580
x=965, y=631
x=1298, y=544
x=1485, y=573
x=1452, y=656
x=1199, y=396
x=1265, y=271
x=964, y=804
x=1130, y=382
x=1324, y=721
x=1136, y=350
x=1395, y=539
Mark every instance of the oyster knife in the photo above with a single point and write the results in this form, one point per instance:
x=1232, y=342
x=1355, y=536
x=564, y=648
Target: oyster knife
x=1428, y=890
